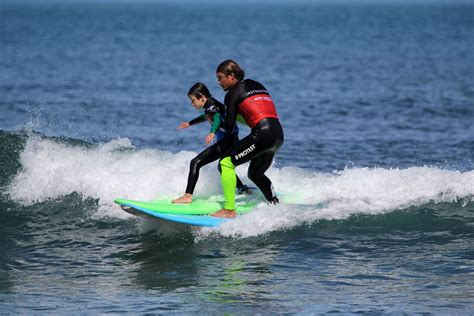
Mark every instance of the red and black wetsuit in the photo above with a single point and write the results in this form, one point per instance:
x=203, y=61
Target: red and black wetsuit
x=251, y=100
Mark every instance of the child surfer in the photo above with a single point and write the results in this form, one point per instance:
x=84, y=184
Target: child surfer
x=214, y=112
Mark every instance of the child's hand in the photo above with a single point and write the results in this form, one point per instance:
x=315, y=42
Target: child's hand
x=183, y=125
x=209, y=138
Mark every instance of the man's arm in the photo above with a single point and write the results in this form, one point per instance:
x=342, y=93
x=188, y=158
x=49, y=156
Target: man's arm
x=231, y=104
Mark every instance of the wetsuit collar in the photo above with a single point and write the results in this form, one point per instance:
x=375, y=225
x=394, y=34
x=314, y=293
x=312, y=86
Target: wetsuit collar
x=209, y=102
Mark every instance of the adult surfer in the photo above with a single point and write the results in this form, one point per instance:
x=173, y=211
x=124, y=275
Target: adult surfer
x=251, y=100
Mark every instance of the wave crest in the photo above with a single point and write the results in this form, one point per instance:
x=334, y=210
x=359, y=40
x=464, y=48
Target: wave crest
x=51, y=169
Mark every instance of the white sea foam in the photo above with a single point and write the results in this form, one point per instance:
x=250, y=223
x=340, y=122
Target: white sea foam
x=51, y=169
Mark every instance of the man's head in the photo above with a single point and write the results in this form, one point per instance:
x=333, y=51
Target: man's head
x=229, y=73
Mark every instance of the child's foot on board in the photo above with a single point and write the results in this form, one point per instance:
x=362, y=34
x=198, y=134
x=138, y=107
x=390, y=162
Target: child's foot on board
x=223, y=213
x=185, y=199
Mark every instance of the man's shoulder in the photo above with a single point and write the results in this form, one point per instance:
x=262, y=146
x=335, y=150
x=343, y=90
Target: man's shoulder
x=253, y=87
x=233, y=93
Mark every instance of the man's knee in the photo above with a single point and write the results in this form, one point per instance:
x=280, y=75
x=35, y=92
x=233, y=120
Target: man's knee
x=226, y=163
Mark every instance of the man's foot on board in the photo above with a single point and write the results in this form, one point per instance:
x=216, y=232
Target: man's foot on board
x=223, y=213
x=185, y=199
x=274, y=200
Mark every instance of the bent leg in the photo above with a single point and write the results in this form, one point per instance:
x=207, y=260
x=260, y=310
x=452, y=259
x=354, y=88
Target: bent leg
x=247, y=149
x=209, y=155
x=256, y=173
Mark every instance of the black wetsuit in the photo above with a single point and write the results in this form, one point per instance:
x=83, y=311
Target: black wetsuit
x=250, y=99
x=212, y=153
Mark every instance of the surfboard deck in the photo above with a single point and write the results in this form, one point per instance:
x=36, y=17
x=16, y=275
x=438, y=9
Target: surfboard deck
x=196, y=213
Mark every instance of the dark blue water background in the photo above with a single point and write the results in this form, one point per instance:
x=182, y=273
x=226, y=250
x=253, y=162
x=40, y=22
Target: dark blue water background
x=377, y=102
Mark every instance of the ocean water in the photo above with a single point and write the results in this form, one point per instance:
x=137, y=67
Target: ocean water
x=377, y=103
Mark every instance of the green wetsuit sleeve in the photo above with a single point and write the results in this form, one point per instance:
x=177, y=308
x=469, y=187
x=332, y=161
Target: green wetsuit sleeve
x=201, y=118
x=216, y=121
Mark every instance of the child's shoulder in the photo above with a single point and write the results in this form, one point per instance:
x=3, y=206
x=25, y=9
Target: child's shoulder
x=213, y=106
x=215, y=102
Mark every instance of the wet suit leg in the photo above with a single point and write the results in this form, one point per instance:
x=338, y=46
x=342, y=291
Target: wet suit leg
x=226, y=147
x=258, y=167
x=210, y=154
x=239, y=184
x=259, y=147
x=207, y=156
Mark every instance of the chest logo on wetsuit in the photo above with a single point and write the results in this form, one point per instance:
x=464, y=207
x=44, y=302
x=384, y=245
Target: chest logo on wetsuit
x=245, y=152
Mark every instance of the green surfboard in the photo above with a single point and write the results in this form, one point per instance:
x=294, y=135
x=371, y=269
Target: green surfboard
x=196, y=213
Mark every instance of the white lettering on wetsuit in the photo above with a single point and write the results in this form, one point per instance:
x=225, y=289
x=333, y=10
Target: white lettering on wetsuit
x=256, y=92
x=245, y=152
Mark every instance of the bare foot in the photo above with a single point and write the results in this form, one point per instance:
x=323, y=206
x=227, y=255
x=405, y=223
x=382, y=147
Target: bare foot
x=185, y=199
x=223, y=213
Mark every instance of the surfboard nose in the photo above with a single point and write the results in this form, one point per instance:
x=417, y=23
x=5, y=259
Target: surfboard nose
x=119, y=201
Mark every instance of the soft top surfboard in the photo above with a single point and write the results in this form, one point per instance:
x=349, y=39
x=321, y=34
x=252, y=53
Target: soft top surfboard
x=196, y=213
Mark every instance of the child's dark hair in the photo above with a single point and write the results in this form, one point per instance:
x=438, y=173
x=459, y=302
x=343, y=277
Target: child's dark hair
x=199, y=90
x=229, y=67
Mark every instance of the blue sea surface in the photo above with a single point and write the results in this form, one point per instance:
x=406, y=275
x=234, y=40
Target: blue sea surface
x=377, y=105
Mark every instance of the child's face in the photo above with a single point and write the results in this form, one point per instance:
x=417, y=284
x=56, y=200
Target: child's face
x=198, y=103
